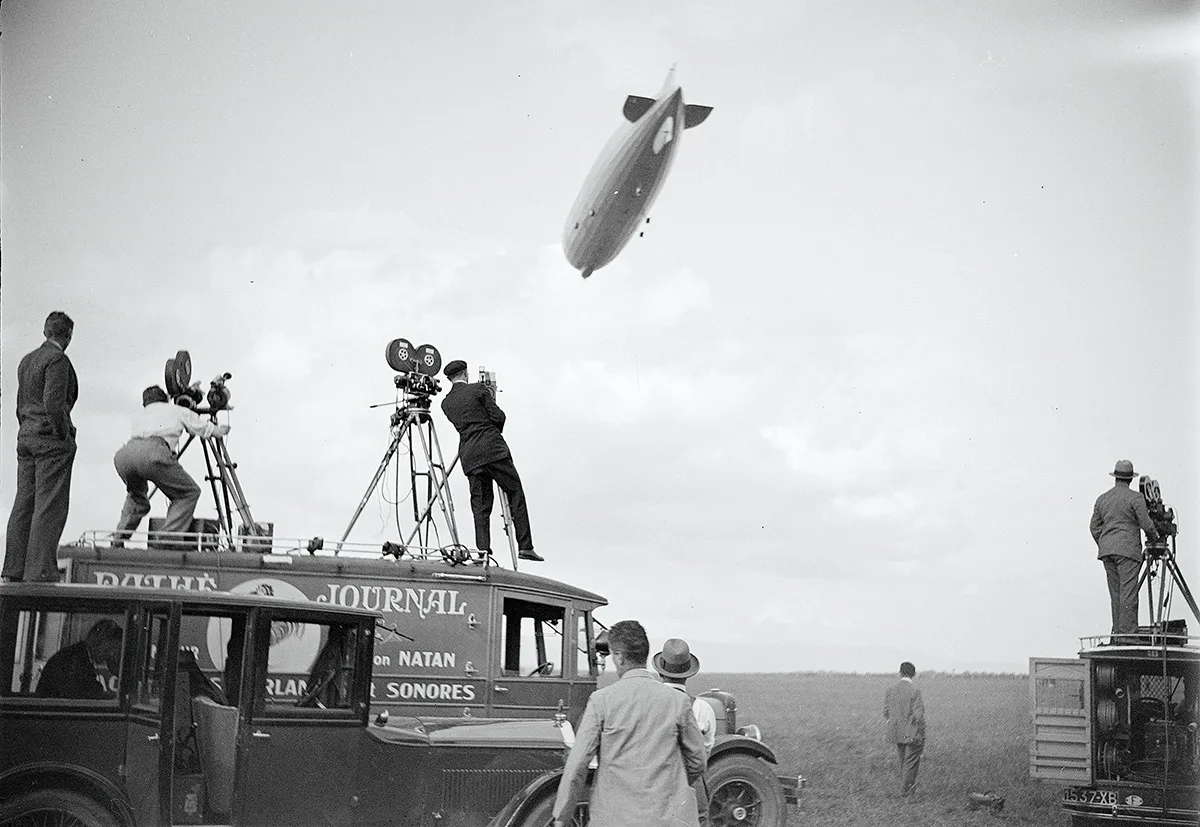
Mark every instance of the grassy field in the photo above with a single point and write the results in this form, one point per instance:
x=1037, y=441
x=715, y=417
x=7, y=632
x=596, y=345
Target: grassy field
x=829, y=728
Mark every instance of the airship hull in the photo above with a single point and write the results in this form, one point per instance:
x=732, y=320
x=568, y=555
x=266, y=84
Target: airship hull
x=625, y=180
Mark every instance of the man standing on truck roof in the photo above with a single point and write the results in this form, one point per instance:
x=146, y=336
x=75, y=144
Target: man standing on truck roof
x=645, y=738
x=151, y=456
x=46, y=392
x=472, y=410
x=1118, y=520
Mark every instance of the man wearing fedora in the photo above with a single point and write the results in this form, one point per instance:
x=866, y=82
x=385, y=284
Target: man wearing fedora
x=472, y=410
x=675, y=664
x=151, y=456
x=651, y=751
x=1118, y=520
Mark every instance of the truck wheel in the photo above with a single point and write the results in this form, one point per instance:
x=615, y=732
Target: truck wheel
x=60, y=808
x=743, y=792
x=543, y=815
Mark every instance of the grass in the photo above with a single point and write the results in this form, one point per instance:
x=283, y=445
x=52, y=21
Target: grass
x=829, y=728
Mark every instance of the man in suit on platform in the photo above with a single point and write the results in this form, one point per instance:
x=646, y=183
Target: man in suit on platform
x=46, y=392
x=905, y=714
x=646, y=741
x=1118, y=520
x=472, y=410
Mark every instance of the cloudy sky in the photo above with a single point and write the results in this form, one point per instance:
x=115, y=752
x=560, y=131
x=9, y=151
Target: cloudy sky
x=926, y=272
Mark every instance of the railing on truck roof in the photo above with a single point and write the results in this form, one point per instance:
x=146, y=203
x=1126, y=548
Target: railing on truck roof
x=194, y=541
x=1144, y=638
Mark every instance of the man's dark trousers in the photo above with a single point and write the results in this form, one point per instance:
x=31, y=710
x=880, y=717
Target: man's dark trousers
x=39, y=511
x=910, y=762
x=504, y=473
x=1122, y=573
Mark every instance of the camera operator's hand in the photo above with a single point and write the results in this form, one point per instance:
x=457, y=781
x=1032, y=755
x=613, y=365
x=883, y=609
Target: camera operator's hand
x=221, y=430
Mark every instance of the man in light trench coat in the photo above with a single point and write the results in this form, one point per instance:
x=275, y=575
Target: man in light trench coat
x=649, y=748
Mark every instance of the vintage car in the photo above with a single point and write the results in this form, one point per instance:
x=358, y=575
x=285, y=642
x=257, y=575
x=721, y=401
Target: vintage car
x=107, y=719
x=465, y=641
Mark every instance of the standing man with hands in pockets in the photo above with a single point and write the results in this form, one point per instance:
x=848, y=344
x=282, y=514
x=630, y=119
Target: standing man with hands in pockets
x=904, y=711
x=46, y=392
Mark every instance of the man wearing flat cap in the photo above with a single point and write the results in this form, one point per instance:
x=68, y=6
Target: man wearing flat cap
x=472, y=410
x=1118, y=520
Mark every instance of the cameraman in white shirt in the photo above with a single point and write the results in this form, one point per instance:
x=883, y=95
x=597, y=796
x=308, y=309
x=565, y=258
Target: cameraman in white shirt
x=151, y=456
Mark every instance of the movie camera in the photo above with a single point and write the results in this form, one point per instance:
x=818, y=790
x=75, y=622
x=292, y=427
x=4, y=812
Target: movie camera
x=1161, y=514
x=416, y=367
x=177, y=376
x=1160, y=555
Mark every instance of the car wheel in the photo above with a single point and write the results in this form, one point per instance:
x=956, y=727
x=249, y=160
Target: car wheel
x=543, y=815
x=59, y=808
x=743, y=792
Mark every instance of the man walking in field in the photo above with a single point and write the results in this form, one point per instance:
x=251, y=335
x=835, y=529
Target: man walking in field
x=904, y=712
x=1118, y=520
x=651, y=751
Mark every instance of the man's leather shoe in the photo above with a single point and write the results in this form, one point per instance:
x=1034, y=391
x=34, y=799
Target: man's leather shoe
x=530, y=554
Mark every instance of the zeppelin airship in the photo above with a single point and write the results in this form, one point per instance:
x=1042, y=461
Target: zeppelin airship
x=626, y=177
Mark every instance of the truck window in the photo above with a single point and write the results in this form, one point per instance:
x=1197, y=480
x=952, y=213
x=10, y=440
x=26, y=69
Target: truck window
x=150, y=677
x=214, y=643
x=532, y=642
x=311, y=666
x=61, y=654
x=585, y=663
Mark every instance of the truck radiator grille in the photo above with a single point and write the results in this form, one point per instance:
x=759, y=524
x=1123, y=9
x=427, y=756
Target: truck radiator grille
x=486, y=790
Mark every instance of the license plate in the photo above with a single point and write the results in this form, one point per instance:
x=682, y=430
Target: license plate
x=1087, y=796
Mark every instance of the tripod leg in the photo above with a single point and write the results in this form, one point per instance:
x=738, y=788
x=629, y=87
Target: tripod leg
x=233, y=486
x=509, y=531
x=383, y=464
x=224, y=515
x=1173, y=567
x=439, y=483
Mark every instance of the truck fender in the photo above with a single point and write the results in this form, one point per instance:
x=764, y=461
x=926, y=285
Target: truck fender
x=530, y=796
x=729, y=744
x=39, y=776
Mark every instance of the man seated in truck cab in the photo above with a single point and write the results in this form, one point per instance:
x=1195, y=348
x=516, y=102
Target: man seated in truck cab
x=332, y=676
x=72, y=671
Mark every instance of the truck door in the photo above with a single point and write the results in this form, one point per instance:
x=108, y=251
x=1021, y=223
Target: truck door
x=309, y=698
x=528, y=676
x=1061, y=700
x=148, y=747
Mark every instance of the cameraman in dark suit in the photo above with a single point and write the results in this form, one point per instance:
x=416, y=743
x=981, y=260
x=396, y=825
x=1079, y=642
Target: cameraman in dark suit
x=472, y=410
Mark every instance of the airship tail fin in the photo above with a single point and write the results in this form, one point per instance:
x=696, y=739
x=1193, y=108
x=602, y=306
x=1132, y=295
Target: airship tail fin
x=694, y=115
x=588, y=271
x=636, y=106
